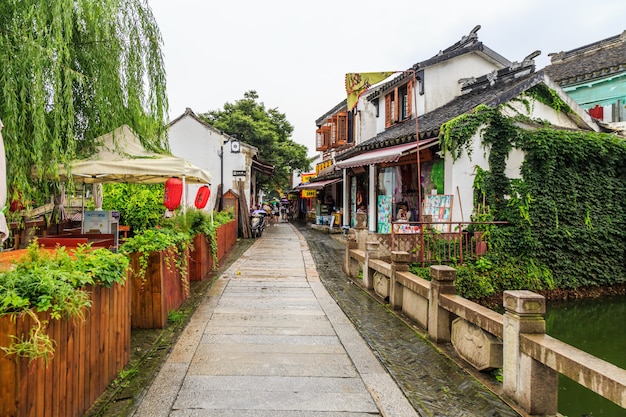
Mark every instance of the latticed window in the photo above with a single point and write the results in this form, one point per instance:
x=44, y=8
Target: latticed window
x=334, y=133
x=322, y=138
x=340, y=129
x=398, y=104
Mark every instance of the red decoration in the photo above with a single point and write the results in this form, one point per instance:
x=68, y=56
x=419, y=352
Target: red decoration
x=173, y=193
x=17, y=204
x=202, y=196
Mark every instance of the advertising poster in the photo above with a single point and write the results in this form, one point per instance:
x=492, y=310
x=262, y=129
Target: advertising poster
x=440, y=207
x=384, y=214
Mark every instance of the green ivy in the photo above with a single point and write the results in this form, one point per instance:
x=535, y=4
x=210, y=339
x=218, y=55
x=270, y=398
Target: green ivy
x=147, y=241
x=456, y=135
x=566, y=214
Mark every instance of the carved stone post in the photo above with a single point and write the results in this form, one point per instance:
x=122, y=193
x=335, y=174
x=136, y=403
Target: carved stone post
x=399, y=263
x=360, y=228
x=371, y=252
x=439, y=319
x=347, y=261
x=533, y=385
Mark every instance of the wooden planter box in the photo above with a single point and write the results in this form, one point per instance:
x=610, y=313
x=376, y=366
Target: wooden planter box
x=226, y=238
x=88, y=356
x=201, y=259
x=160, y=291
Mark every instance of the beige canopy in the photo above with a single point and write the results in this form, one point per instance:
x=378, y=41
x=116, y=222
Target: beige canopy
x=121, y=157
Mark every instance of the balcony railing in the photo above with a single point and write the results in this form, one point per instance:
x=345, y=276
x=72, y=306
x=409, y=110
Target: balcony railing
x=431, y=243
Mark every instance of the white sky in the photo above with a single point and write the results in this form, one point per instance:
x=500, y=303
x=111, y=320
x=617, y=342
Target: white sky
x=295, y=53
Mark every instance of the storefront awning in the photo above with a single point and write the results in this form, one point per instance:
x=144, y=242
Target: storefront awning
x=379, y=156
x=317, y=185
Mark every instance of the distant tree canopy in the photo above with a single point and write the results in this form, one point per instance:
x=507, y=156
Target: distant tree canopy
x=266, y=129
x=71, y=70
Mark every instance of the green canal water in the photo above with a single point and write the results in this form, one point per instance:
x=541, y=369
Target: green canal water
x=597, y=327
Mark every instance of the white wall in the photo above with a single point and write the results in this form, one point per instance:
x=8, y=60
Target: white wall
x=200, y=144
x=441, y=81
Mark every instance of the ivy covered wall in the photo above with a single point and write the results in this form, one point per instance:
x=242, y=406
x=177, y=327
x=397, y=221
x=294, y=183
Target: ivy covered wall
x=572, y=210
x=567, y=214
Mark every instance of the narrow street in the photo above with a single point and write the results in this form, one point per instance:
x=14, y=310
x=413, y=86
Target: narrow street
x=256, y=306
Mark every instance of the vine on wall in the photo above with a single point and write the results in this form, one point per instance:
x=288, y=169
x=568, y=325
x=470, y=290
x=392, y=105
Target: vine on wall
x=567, y=214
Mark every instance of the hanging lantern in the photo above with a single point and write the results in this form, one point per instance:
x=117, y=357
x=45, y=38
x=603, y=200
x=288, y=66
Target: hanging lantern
x=173, y=193
x=202, y=196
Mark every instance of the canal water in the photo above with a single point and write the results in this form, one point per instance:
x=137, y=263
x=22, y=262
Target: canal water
x=598, y=327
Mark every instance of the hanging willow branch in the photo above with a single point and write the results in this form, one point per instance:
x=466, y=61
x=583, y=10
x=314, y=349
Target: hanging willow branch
x=72, y=70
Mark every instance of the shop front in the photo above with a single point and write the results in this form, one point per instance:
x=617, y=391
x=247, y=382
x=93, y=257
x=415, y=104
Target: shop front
x=384, y=184
x=324, y=201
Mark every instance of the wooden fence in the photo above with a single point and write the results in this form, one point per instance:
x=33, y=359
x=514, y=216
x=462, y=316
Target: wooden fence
x=160, y=290
x=201, y=261
x=88, y=356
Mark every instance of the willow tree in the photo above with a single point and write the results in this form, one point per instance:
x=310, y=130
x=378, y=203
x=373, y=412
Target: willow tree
x=71, y=70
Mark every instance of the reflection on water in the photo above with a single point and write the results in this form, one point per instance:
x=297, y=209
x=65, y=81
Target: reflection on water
x=597, y=327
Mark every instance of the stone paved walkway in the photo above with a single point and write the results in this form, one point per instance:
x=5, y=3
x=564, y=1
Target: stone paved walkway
x=269, y=340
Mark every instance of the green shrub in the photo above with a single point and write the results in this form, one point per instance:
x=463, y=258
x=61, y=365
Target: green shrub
x=158, y=239
x=54, y=282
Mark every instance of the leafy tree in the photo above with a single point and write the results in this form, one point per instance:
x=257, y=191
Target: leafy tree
x=73, y=70
x=266, y=129
x=140, y=205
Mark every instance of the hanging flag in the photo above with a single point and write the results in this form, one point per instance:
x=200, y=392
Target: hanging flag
x=357, y=83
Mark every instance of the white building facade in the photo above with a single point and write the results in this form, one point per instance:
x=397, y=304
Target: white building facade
x=229, y=160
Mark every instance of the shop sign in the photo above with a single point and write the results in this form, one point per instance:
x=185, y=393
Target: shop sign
x=237, y=173
x=308, y=177
x=308, y=194
x=323, y=165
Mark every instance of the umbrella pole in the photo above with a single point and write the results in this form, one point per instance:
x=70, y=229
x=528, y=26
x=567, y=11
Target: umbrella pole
x=184, y=195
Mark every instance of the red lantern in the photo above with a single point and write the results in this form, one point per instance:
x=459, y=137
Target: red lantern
x=173, y=193
x=202, y=196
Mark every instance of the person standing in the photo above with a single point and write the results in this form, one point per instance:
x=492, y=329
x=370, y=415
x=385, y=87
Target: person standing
x=275, y=213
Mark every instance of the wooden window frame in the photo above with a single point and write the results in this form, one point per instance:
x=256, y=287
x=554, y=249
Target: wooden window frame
x=399, y=104
x=322, y=138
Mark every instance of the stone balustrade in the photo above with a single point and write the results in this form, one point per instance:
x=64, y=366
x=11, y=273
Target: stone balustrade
x=515, y=341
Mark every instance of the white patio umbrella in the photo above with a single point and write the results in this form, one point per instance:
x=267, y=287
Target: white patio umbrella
x=4, y=229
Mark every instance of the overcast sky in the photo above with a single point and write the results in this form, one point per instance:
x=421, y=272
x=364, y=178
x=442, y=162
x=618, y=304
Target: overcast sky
x=295, y=53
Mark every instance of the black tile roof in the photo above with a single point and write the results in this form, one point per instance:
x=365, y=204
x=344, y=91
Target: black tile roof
x=589, y=62
x=468, y=43
x=343, y=105
x=492, y=90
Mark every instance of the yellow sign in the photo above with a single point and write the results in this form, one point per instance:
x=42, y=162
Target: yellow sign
x=323, y=165
x=308, y=177
x=308, y=194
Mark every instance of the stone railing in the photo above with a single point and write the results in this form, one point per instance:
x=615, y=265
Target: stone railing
x=515, y=341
